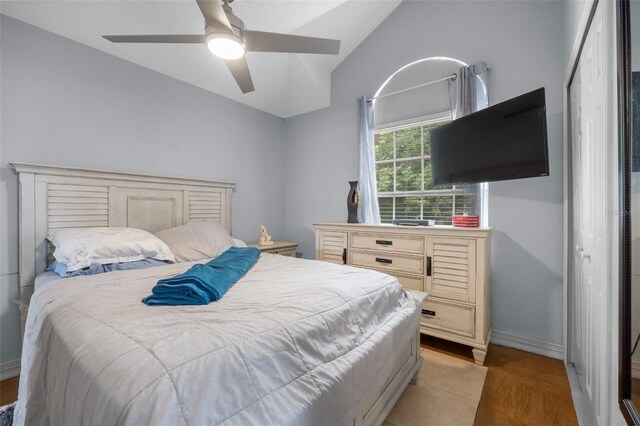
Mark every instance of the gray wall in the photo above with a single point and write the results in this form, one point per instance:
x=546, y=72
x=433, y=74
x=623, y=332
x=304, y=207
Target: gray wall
x=523, y=42
x=67, y=104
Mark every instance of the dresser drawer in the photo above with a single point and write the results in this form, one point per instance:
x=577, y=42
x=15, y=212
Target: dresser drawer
x=388, y=242
x=387, y=262
x=409, y=282
x=450, y=317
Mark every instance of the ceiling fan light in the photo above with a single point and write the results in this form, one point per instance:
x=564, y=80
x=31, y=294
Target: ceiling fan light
x=225, y=46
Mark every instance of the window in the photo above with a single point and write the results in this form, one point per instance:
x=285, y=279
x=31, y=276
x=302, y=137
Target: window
x=403, y=174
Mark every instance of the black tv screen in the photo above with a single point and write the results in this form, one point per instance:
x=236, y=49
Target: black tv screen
x=504, y=141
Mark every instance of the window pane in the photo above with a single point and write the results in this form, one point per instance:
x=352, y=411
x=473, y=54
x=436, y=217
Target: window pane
x=396, y=173
x=408, y=143
x=384, y=177
x=426, y=137
x=408, y=207
x=384, y=145
x=409, y=175
x=427, y=178
x=465, y=204
x=439, y=187
x=386, y=209
x=439, y=209
x=427, y=175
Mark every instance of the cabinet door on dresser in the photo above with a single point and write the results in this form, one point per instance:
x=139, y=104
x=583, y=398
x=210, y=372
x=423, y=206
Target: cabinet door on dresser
x=451, y=268
x=331, y=246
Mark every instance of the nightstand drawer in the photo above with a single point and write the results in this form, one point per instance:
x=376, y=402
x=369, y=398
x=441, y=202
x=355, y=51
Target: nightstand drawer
x=387, y=262
x=282, y=248
x=289, y=252
x=450, y=317
x=388, y=242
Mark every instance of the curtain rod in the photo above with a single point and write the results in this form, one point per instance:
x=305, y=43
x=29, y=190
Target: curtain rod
x=397, y=92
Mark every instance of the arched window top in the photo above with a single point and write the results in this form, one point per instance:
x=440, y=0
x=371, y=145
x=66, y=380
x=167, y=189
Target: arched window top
x=417, y=104
x=402, y=145
x=430, y=65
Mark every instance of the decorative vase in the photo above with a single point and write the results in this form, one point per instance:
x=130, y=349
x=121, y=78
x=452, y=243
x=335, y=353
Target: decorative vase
x=353, y=200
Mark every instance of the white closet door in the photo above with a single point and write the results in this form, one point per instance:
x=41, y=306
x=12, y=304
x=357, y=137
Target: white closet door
x=591, y=144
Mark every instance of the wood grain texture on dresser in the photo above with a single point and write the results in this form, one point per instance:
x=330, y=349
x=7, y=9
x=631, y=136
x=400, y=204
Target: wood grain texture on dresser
x=451, y=264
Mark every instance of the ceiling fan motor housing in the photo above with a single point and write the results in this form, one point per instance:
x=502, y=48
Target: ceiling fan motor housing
x=227, y=42
x=215, y=29
x=236, y=23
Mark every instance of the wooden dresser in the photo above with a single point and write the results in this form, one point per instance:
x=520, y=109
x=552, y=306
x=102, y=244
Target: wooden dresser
x=452, y=265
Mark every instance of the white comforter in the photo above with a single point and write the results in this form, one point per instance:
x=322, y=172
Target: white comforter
x=293, y=342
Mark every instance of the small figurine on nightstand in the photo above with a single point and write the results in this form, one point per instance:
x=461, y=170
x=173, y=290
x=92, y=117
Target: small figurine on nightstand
x=265, y=238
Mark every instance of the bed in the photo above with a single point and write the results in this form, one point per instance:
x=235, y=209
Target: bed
x=293, y=342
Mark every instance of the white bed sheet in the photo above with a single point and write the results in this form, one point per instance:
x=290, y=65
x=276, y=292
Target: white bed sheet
x=293, y=342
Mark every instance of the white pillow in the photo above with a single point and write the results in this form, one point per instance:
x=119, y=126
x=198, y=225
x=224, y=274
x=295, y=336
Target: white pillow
x=239, y=243
x=81, y=247
x=197, y=240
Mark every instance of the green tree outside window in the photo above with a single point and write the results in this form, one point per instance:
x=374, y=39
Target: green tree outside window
x=403, y=173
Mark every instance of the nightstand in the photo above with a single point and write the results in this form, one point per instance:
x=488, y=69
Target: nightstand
x=283, y=248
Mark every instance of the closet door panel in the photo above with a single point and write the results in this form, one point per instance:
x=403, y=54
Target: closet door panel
x=590, y=113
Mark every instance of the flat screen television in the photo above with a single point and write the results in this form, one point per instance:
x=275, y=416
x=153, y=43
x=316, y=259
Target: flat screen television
x=502, y=142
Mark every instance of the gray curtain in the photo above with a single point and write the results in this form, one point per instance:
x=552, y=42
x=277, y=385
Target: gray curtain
x=462, y=93
x=368, y=210
x=469, y=93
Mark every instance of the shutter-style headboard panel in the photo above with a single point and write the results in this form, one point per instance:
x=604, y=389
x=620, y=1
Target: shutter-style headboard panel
x=64, y=197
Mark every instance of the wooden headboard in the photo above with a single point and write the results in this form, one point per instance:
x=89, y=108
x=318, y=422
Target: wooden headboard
x=64, y=197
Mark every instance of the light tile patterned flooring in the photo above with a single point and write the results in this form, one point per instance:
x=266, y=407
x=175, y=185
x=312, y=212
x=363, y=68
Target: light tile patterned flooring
x=447, y=393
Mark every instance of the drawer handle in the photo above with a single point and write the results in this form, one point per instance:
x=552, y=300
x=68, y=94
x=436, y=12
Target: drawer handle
x=384, y=242
x=428, y=312
x=344, y=256
x=429, y=266
x=382, y=260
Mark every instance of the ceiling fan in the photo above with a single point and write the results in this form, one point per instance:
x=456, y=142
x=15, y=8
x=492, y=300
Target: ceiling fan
x=227, y=38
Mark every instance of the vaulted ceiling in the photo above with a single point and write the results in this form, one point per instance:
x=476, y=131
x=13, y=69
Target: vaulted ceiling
x=286, y=84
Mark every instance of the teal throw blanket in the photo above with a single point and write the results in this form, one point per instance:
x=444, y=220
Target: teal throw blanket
x=204, y=283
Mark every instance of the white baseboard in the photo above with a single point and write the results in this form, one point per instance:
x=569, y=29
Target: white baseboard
x=551, y=350
x=9, y=369
x=580, y=403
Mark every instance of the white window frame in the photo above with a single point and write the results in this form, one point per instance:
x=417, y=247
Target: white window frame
x=405, y=124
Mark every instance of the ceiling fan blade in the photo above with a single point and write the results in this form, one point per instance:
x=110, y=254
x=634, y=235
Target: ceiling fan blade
x=260, y=41
x=214, y=13
x=240, y=71
x=161, y=38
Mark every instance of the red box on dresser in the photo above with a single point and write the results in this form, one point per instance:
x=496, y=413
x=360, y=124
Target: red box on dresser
x=466, y=221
